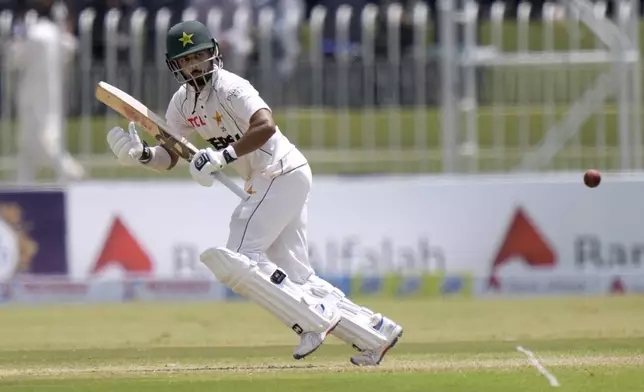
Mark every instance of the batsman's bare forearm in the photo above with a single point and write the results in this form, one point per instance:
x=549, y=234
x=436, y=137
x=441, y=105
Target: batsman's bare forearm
x=262, y=127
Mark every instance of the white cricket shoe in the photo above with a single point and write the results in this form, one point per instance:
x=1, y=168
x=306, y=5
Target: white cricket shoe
x=311, y=341
x=390, y=330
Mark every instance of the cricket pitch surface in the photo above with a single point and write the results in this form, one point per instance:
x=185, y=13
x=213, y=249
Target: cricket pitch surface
x=570, y=344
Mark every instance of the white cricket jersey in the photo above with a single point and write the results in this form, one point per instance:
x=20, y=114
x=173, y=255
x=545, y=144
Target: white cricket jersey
x=221, y=115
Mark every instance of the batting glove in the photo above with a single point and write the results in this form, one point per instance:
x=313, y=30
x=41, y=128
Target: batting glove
x=207, y=161
x=128, y=147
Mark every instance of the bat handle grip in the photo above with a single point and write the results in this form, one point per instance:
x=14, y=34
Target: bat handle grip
x=230, y=184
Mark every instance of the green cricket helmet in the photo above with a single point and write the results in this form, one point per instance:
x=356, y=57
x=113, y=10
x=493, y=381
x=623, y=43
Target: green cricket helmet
x=188, y=38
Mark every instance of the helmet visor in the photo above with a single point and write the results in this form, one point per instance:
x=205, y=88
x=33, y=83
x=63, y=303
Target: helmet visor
x=195, y=68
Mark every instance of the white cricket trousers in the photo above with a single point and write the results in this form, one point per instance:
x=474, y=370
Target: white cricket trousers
x=272, y=222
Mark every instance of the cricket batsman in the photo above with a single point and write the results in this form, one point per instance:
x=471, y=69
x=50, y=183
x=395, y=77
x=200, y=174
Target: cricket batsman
x=266, y=257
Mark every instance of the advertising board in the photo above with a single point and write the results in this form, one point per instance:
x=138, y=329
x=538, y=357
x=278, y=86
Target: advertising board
x=495, y=229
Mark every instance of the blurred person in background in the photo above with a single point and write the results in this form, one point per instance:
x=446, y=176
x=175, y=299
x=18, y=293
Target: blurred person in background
x=285, y=43
x=175, y=7
x=101, y=8
x=236, y=21
x=38, y=54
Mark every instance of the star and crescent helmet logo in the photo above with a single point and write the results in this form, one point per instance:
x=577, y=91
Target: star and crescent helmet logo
x=186, y=39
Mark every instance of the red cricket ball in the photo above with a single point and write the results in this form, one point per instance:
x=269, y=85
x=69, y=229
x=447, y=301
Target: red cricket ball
x=592, y=178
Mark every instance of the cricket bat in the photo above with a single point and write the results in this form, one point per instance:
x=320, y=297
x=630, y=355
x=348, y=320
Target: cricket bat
x=138, y=113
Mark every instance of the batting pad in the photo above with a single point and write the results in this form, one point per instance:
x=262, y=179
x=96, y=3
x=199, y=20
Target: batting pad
x=269, y=287
x=355, y=326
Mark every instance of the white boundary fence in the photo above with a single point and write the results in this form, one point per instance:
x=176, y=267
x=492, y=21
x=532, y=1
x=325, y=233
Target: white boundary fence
x=577, y=82
x=376, y=90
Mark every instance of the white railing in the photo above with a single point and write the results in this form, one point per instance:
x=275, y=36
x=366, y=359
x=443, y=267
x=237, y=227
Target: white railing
x=376, y=92
x=576, y=99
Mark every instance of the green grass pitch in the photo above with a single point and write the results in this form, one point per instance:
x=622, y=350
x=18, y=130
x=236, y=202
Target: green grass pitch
x=460, y=345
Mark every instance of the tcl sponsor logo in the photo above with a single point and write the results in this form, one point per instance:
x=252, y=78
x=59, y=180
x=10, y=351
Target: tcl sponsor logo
x=197, y=122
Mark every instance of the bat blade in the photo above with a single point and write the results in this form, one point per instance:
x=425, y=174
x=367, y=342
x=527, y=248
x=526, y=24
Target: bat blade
x=135, y=111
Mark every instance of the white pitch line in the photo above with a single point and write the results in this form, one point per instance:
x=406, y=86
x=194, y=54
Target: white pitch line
x=551, y=379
